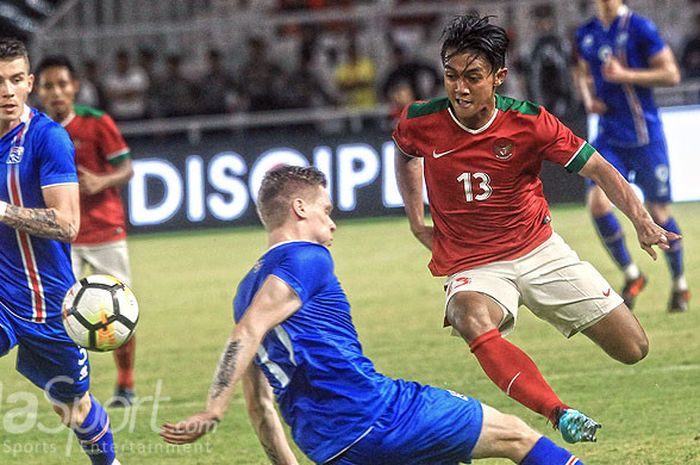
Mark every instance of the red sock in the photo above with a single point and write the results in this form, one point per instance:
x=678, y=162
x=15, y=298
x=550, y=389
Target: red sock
x=515, y=374
x=124, y=358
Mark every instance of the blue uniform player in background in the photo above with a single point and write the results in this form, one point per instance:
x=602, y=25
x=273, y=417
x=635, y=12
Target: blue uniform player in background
x=626, y=58
x=295, y=341
x=39, y=215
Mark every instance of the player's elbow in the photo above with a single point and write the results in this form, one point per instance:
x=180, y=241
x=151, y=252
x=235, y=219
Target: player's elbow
x=674, y=78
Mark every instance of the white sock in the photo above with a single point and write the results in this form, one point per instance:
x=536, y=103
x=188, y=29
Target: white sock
x=680, y=284
x=631, y=272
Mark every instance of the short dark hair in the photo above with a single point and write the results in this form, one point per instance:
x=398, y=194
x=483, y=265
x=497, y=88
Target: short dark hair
x=473, y=33
x=55, y=61
x=12, y=48
x=278, y=188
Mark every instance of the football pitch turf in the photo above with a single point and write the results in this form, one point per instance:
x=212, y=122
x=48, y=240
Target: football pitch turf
x=185, y=282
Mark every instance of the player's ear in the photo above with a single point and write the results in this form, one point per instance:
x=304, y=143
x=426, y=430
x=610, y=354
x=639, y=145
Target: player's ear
x=299, y=207
x=500, y=76
x=30, y=81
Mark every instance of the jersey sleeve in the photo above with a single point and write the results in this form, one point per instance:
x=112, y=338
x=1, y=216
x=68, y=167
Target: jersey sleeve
x=57, y=156
x=560, y=145
x=306, y=269
x=112, y=143
x=402, y=135
x=648, y=36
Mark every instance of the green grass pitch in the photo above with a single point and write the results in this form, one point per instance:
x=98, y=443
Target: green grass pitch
x=185, y=282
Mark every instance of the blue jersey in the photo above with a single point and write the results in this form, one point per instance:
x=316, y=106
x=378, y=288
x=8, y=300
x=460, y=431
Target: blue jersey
x=36, y=272
x=327, y=390
x=632, y=119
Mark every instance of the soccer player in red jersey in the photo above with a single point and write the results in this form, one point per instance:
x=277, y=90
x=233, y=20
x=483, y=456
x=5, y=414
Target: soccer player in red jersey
x=103, y=162
x=481, y=155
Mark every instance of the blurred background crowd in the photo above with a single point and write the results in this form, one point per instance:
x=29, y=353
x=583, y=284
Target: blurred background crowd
x=182, y=58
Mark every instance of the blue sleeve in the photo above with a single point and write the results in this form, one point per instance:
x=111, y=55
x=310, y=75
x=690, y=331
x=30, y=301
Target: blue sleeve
x=307, y=269
x=57, y=156
x=648, y=36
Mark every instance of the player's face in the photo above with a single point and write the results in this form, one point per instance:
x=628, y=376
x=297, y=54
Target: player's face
x=57, y=90
x=319, y=217
x=15, y=86
x=471, y=86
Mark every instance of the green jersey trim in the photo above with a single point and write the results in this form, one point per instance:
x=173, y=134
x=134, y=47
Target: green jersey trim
x=427, y=108
x=579, y=159
x=83, y=110
x=524, y=107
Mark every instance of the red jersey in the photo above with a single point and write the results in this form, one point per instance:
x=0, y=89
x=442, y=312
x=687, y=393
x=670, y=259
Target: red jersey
x=485, y=193
x=99, y=146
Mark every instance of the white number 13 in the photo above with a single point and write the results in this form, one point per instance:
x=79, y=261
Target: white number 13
x=484, y=181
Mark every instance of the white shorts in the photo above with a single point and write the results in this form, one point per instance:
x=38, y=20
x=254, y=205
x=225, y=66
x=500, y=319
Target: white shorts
x=551, y=281
x=110, y=258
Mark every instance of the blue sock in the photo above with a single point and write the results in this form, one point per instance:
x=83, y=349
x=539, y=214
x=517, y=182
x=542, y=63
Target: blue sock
x=95, y=435
x=674, y=255
x=545, y=452
x=613, y=237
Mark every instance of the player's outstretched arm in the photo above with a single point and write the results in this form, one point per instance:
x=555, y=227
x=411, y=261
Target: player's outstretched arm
x=266, y=422
x=584, y=83
x=409, y=175
x=621, y=194
x=272, y=304
x=60, y=220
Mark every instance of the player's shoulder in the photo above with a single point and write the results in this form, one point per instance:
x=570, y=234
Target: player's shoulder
x=42, y=125
x=423, y=108
x=640, y=21
x=587, y=26
x=516, y=107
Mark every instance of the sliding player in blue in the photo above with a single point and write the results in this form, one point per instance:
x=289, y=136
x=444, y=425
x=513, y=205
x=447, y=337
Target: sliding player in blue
x=295, y=341
x=39, y=215
x=623, y=56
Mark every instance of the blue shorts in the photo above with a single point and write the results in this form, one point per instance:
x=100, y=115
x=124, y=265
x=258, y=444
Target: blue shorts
x=645, y=166
x=46, y=356
x=423, y=425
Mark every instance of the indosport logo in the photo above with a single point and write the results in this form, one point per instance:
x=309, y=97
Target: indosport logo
x=224, y=187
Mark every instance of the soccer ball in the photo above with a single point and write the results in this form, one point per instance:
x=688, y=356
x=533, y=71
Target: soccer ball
x=100, y=313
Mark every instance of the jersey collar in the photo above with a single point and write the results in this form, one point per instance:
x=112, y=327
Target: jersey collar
x=26, y=113
x=68, y=120
x=474, y=131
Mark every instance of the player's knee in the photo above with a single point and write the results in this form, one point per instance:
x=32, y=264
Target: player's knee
x=635, y=351
x=520, y=438
x=73, y=414
x=469, y=318
x=660, y=212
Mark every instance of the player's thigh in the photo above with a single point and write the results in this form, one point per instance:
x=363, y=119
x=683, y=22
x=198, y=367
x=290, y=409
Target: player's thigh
x=503, y=435
x=484, y=297
x=566, y=292
x=425, y=425
x=111, y=258
x=652, y=173
x=621, y=335
x=50, y=359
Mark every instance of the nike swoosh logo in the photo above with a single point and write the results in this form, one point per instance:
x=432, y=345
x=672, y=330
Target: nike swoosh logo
x=437, y=154
x=607, y=293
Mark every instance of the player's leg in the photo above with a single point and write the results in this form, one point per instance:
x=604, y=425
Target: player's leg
x=620, y=335
x=610, y=231
x=508, y=436
x=90, y=423
x=653, y=177
x=113, y=259
x=574, y=297
x=477, y=317
x=50, y=360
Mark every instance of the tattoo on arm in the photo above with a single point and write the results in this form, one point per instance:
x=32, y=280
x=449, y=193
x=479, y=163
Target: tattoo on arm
x=40, y=222
x=225, y=369
x=275, y=459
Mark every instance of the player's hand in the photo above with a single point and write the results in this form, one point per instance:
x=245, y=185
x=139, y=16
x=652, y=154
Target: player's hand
x=187, y=431
x=90, y=182
x=614, y=72
x=424, y=234
x=597, y=106
x=651, y=234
